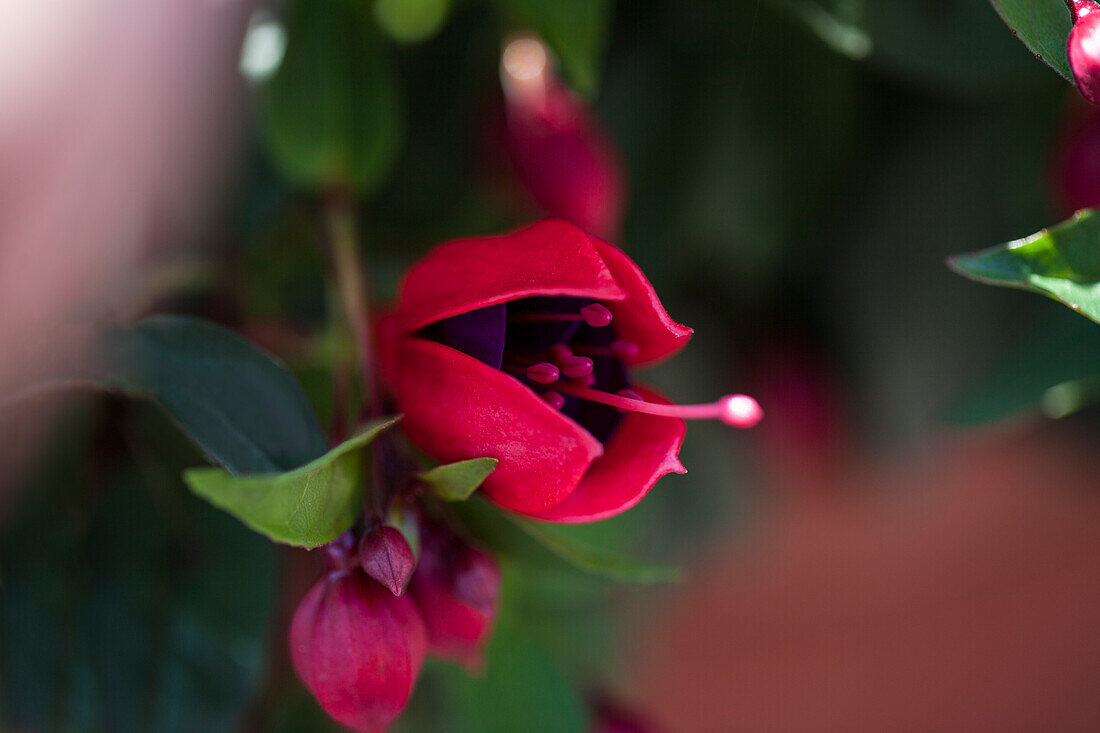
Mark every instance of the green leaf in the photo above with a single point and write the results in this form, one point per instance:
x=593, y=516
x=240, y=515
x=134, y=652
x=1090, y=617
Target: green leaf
x=308, y=506
x=457, y=481
x=595, y=561
x=239, y=404
x=835, y=22
x=1053, y=365
x=411, y=21
x=574, y=29
x=1042, y=26
x=331, y=113
x=1062, y=262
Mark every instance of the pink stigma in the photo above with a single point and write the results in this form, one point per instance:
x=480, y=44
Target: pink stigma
x=554, y=399
x=596, y=315
x=543, y=373
x=738, y=410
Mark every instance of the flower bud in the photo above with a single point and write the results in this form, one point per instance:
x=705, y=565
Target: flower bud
x=558, y=151
x=358, y=649
x=386, y=556
x=457, y=588
x=1083, y=48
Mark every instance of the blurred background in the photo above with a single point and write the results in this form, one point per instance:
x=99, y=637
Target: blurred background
x=906, y=542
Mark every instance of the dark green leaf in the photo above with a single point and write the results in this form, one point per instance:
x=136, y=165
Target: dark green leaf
x=575, y=30
x=530, y=541
x=521, y=689
x=238, y=403
x=307, y=507
x=146, y=609
x=1053, y=366
x=330, y=113
x=457, y=481
x=595, y=561
x=1042, y=26
x=1062, y=262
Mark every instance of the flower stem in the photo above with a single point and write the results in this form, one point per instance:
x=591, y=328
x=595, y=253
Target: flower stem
x=342, y=238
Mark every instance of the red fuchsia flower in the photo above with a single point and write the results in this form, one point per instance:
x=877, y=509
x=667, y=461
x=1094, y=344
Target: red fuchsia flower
x=519, y=347
x=1083, y=47
x=357, y=647
x=456, y=586
x=557, y=149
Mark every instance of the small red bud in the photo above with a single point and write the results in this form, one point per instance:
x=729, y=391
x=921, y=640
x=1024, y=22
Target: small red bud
x=385, y=555
x=1083, y=48
x=358, y=649
x=457, y=587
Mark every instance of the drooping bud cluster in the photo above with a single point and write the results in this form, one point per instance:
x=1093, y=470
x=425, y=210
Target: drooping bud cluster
x=1083, y=47
x=457, y=588
x=559, y=153
x=357, y=640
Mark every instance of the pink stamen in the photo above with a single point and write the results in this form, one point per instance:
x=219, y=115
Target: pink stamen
x=625, y=350
x=554, y=399
x=737, y=410
x=543, y=373
x=596, y=315
x=576, y=367
x=560, y=352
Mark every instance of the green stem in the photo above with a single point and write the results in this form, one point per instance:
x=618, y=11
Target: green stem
x=338, y=211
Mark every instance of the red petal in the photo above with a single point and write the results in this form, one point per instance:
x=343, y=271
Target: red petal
x=641, y=318
x=550, y=257
x=457, y=408
x=643, y=449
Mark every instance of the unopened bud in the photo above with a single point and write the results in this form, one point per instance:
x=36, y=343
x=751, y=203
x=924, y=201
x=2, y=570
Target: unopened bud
x=386, y=556
x=358, y=649
x=560, y=154
x=457, y=588
x=1083, y=48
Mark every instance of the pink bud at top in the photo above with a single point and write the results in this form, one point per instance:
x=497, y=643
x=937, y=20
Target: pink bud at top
x=559, y=152
x=358, y=649
x=385, y=555
x=1083, y=49
x=457, y=588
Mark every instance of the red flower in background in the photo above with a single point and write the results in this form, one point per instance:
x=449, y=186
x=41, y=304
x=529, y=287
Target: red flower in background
x=518, y=347
x=1077, y=161
x=557, y=149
